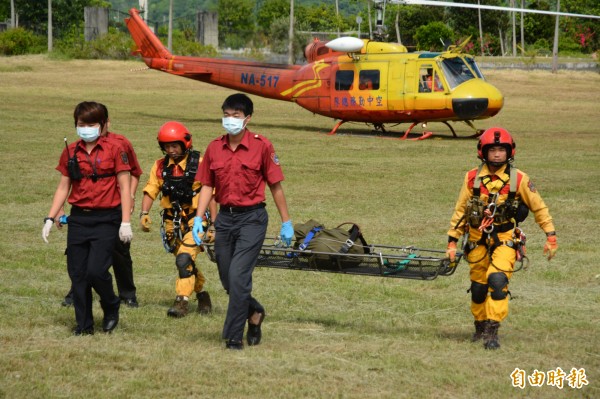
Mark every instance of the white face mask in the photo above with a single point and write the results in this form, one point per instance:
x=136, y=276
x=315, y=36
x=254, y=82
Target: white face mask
x=88, y=133
x=234, y=126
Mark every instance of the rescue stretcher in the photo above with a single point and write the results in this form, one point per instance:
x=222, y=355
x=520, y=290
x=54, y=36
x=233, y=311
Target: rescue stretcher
x=406, y=262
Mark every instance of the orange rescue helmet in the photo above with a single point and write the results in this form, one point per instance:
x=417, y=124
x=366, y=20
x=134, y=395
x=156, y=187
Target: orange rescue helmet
x=174, y=132
x=496, y=136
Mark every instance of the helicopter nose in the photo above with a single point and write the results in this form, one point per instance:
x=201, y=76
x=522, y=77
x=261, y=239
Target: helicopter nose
x=469, y=108
x=476, y=98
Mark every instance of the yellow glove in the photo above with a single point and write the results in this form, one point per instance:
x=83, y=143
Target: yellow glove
x=550, y=247
x=209, y=236
x=145, y=222
x=451, y=251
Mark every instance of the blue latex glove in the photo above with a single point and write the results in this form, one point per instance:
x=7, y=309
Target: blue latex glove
x=197, y=230
x=64, y=219
x=287, y=232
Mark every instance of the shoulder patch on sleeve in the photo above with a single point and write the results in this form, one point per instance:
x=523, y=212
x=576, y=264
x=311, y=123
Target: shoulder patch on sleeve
x=124, y=157
x=531, y=186
x=275, y=158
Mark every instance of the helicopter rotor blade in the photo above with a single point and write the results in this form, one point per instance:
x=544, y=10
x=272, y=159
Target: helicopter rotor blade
x=484, y=7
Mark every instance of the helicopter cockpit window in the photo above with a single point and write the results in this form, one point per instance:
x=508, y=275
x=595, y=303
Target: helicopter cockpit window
x=456, y=71
x=368, y=80
x=343, y=80
x=429, y=80
x=474, y=67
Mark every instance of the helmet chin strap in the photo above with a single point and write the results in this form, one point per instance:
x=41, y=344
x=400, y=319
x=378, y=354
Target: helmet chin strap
x=498, y=164
x=495, y=164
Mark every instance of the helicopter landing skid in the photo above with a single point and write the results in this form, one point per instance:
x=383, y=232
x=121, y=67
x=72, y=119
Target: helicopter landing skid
x=380, y=128
x=335, y=128
x=478, y=132
x=422, y=137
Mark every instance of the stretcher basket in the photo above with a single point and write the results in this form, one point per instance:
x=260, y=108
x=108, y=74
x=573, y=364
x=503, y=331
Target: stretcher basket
x=405, y=262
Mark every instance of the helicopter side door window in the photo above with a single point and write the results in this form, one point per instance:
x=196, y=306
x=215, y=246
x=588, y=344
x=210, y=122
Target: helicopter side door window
x=368, y=80
x=429, y=80
x=344, y=80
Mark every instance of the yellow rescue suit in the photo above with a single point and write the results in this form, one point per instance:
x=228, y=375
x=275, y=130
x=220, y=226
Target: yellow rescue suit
x=182, y=244
x=492, y=255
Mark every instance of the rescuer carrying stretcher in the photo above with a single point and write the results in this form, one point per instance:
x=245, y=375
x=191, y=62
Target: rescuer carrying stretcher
x=493, y=199
x=172, y=177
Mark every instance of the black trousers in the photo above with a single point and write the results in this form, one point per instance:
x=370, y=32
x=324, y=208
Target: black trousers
x=239, y=238
x=90, y=244
x=123, y=269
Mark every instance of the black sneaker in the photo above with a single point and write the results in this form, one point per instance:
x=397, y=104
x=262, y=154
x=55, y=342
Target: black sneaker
x=254, y=334
x=86, y=331
x=234, y=345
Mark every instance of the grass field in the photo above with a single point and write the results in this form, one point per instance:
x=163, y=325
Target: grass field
x=325, y=335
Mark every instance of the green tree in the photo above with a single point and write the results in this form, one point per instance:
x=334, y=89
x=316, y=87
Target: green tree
x=236, y=22
x=322, y=17
x=279, y=35
x=65, y=14
x=410, y=19
x=465, y=21
x=431, y=36
x=271, y=10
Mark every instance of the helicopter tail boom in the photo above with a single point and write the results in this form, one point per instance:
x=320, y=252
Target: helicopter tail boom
x=148, y=45
x=267, y=80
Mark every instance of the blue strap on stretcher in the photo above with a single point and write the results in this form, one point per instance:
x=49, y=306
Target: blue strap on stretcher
x=309, y=237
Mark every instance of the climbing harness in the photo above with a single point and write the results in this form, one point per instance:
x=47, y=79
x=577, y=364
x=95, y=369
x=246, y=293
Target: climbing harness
x=492, y=218
x=181, y=194
x=179, y=188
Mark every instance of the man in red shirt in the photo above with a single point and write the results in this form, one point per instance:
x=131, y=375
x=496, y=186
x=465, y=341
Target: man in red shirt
x=238, y=166
x=95, y=179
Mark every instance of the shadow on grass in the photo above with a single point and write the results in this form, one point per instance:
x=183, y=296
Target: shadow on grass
x=359, y=129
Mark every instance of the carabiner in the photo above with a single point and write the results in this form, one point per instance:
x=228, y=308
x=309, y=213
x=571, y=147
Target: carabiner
x=492, y=207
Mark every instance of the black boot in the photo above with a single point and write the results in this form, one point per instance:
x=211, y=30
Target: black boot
x=490, y=335
x=479, y=330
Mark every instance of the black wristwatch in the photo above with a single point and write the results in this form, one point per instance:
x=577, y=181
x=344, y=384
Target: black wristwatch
x=48, y=218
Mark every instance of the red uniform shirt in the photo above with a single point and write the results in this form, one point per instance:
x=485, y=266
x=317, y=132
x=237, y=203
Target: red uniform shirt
x=239, y=176
x=108, y=158
x=136, y=169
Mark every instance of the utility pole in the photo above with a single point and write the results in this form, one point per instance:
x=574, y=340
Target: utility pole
x=480, y=28
x=144, y=8
x=12, y=14
x=49, y=26
x=514, y=30
x=337, y=17
x=370, y=23
x=555, y=46
x=291, y=35
x=522, y=29
x=170, y=35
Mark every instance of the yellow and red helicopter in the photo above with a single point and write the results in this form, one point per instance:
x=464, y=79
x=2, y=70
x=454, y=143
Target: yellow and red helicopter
x=348, y=79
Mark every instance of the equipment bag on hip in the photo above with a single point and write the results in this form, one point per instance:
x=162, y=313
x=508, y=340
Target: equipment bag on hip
x=345, y=239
